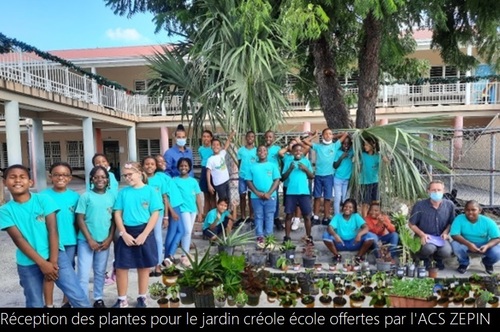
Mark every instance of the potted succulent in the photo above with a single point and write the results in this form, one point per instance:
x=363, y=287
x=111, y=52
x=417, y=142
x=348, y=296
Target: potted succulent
x=156, y=290
x=237, y=237
x=288, y=248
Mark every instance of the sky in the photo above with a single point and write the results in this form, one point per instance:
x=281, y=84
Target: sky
x=50, y=25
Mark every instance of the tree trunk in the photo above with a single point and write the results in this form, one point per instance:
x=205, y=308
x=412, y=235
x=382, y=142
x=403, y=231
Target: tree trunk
x=331, y=93
x=369, y=63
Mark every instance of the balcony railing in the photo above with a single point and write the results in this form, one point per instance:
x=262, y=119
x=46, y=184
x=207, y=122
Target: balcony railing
x=30, y=70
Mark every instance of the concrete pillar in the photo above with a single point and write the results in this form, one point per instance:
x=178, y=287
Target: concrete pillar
x=458, y=137
x=132, y=144
x=163, y=139
x=38, y=155
x=88, y=147
x=307, y=127
x=13, y=133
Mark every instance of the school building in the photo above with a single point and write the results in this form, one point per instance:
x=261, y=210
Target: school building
x=49, y=112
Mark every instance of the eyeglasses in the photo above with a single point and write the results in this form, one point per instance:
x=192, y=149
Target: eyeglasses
x=57, y=175
x=127, y=175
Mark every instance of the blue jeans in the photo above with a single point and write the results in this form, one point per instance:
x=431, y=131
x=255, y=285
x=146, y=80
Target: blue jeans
x=340, y=193
x=174, y=235
x=490, y=257
x=158, y=234
x=97, y=261
x=31, y=280
x=263, y=211
x=349, y=245
x=393, y=240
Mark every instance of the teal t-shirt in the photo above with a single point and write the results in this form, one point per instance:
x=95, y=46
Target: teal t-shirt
x=369, y=168
x=298, y=183
x=205, y=152
x=29, y=218
x=173, y=193
x=212, y=215
x=137, y=204
x=246, y=158
x=273, y=154
x=287, y=158
x=157, y=181
x=344, y=171
x=263, y=176
x=325, y=156
x=347, y=229
x=480, y=232
x=66, y=219
x=188, y=188
x=97, y=210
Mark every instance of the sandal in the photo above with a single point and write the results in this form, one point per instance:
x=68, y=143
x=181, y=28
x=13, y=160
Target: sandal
x=185, y=261
x=167, y=262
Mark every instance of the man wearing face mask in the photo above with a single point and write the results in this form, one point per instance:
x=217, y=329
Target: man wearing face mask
x=178, y=151
x=431, y=220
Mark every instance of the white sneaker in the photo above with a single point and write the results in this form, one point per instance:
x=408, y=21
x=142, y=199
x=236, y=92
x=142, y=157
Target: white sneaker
x=295, y=223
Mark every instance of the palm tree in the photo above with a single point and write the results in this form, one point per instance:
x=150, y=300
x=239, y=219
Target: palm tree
x=235, y=73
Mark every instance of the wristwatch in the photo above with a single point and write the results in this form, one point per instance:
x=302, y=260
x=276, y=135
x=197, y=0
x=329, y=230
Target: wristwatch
x=121, y=233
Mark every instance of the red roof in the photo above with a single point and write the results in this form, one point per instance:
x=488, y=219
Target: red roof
x=110, y=52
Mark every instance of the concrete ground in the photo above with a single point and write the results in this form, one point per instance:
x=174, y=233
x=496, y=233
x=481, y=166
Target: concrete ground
x=12, y=295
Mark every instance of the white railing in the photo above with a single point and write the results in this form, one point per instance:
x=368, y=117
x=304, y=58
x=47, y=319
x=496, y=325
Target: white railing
x=30, y=70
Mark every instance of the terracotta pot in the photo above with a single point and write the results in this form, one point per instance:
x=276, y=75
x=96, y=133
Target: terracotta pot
x=162, y=302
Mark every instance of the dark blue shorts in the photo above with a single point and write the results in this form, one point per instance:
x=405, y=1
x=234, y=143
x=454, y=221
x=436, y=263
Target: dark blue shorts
x=323, y=186
x=218, y=229
x=136, y=257
x=203, y=180
x=369, y=193
x=303, y=201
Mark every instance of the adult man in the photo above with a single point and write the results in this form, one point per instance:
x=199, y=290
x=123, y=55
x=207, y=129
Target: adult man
x=475, y=233
x=431, y=220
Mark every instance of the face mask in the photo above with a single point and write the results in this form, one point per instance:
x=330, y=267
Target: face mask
x=327, y=142
x=181, y=141
x=436, y=197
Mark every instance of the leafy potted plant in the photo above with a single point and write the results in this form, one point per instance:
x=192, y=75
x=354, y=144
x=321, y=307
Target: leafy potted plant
x=253, y=282
x=173, y=292
x=308, y=300
x=288, y=248
x=325, y=286
x=283, y=263
x=309, y=256
x=384, y=260
x=232, y=267
x=170, y=274
x=288, y=300
x=484, y=297
x=241, y=299
x=410, y=244
x=379, y=298
x=219, y=296
x=156, y=290
x=356, y=299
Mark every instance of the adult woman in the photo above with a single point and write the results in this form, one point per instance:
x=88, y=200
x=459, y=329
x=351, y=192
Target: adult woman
x=178, y=151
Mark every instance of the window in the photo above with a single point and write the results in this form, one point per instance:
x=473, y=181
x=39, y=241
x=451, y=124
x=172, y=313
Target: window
x=4, y=163
x=52, y=152
x=75, y=154
x=148, y=147
x=141, y=85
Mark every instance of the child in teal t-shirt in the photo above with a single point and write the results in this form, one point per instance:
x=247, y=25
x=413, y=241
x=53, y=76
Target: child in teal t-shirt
x=60, y=174
x=30, y=220
x=94, y=216
x=219, y=220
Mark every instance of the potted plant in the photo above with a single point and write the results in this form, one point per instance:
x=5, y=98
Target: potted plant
x=356, y=299
x=156, y=290
x=379, y=298
x=378, y=278
x=306, y=281
x=283, y=263
x=253, y=282
x=232, y=267
x=384, y=259
x=308, y=300
x=173, y=292
x=433, y=269
x=484, y=297
x=205, y=273
x=325, y=286
x=170, y=275
x=288, y=300
x=410, y=244
x=219, y=296
x=309, y=256
x=412, y=292
x=237, y=237
x=288, y=248
x=241, y=299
